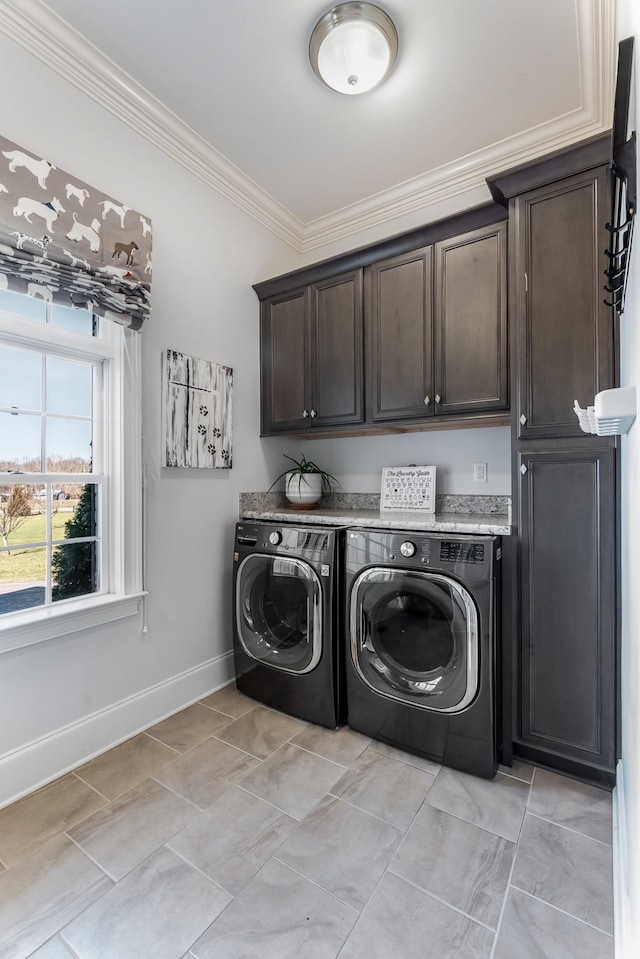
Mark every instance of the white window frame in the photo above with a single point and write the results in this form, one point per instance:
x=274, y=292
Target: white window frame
x=121, y=523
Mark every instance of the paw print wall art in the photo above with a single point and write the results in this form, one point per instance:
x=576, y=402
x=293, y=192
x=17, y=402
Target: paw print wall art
x=197, y=407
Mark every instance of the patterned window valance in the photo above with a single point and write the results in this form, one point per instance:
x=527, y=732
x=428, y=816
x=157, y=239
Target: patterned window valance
x=66, y=242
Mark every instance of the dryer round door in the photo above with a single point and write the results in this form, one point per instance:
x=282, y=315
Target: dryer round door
x=279, y=612
x=414, y=638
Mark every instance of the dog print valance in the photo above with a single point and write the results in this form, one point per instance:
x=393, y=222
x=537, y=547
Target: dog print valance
x=66, y=242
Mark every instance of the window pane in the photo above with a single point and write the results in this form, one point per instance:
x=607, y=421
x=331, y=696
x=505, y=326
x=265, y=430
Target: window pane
x=78, y=320
x=23, y=575
x=68, y=445
x=20, y=379
x=20, y=442
x=77, y=515
x=27, y=306
x=69, y=386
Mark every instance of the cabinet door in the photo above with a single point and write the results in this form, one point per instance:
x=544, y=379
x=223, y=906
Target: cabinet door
x=284, y=363
x=400, y=335
x=337, y=351
x=471, y=322
x=568, y=606
x=565, y=332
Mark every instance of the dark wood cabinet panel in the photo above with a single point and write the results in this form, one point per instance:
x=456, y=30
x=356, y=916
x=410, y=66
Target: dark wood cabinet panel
x=567, y=606
x=284, y=360
x=337, y=351
x=565, y=332
x=312, y=357
x=399, y=309
x=471, y=350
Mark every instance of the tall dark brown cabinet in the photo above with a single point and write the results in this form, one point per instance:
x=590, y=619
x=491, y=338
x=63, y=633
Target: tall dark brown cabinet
x=564, y=481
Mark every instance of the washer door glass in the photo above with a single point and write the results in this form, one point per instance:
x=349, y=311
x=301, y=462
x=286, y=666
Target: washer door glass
x=414, y=637
x=278, y=612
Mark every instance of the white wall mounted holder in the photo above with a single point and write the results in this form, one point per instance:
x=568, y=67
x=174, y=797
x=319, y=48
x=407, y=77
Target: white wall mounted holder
x=612, y=413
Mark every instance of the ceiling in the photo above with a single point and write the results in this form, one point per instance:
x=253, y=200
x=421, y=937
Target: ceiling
x=479, y=85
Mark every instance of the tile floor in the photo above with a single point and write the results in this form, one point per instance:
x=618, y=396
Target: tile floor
x=230, y=831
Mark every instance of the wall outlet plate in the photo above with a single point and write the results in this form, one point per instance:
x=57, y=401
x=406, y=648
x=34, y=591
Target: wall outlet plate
x=479, y=472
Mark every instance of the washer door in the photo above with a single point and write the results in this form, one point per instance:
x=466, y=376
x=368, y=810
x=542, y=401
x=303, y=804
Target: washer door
x=414, y=638
x=279, y=612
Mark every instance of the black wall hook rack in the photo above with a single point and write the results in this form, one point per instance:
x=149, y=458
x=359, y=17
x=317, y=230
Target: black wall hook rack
x=624, y=185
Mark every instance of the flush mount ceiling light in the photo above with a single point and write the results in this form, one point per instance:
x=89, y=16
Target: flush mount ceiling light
x=353, y=47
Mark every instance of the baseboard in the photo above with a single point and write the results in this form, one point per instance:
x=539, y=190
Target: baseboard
x=621, y=906
x=39, y=762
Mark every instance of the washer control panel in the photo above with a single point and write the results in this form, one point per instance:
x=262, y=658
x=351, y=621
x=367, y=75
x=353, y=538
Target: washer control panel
x=458, y=552
x=408, y=548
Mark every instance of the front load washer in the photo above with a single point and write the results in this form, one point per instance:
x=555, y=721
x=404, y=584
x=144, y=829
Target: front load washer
x=422, y=633
x=287, y=619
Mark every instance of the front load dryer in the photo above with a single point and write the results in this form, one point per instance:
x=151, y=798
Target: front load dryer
x=421, y=652
x=288, y=619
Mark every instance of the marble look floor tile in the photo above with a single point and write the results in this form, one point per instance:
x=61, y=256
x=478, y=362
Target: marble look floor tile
x=206, y=772
x=404, y=757
x=261, y=731
x=576, y=805
x=567, y=870
x=401, y=921
x=494, y=804
x=343, y=849
x=157, y=911
x=456, y=861
x=233, y=839
x=293, y=779
x=339, y=745
x=54, y=949
x=382, y=786
x=518, y=770
x=34, y=820
x=130, y=828
x=530, y=929
x=43, y=892
x=126, y=765
x=230, y=702
x=189, y=727
x=278, y=915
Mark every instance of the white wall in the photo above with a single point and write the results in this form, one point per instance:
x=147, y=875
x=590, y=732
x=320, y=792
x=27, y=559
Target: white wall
x=628, y=789
x=59, y=700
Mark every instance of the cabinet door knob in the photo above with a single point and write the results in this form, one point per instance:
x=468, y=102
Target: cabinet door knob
x=305, y=413
x=313, y=414
x=427, y=400
x=523, y=420
x=438, y=398
x=523, y=469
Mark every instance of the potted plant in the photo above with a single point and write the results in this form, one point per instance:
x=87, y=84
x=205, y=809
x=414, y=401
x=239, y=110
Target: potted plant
x=304, y=485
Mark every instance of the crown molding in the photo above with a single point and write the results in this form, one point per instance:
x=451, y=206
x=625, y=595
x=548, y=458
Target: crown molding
x=46, y=36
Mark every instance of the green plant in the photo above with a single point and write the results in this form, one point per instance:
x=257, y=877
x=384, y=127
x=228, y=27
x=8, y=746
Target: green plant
x=302, y=467
x=74, y=565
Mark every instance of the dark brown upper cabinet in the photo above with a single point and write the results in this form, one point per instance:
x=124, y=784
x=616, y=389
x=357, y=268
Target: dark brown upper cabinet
x=400, y=336
x=437, y=329
x=470, y=322
x=312, y=356
x=423, y=345
x=565, y=331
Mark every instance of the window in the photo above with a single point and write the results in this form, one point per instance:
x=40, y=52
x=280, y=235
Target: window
x=70, y=543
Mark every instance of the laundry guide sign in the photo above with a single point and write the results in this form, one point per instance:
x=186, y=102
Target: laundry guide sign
x=408, y=488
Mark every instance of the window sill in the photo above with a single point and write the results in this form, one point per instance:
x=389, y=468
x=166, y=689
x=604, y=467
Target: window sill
x=38, y=625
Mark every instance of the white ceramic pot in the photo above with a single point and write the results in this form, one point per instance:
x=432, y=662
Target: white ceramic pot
x=303, y=489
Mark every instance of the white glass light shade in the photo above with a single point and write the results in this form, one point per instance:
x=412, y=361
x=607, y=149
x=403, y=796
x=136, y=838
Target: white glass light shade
x=353, y=47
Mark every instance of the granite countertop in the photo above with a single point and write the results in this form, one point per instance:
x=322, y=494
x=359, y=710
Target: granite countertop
x=352, y=510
